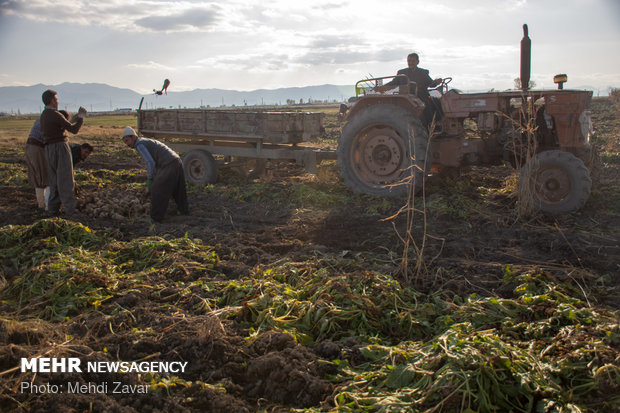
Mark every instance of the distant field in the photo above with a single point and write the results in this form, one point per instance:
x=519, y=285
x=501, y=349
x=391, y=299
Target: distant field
x=16, y=129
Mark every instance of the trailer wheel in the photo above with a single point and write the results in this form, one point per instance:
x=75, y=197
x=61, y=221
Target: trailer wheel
x=556, y=182
x=381, y=148
x=199, y=167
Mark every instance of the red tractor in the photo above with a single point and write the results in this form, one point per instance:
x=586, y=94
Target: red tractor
x=384, y=143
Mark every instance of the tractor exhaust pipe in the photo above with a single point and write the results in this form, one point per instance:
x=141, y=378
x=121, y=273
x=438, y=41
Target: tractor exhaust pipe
x=526, y=59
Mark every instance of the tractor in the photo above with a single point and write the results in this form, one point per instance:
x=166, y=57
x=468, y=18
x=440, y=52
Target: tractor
x=386, y=146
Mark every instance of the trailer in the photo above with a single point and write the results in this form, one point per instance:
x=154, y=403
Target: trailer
x=199, y=134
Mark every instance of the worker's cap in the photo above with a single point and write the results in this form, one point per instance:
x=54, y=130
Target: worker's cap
x=129, y=132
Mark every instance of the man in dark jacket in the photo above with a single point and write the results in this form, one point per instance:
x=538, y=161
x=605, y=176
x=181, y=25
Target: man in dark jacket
x=79, y=152
x=419, y=82
x=59, y=164
x=164, y=174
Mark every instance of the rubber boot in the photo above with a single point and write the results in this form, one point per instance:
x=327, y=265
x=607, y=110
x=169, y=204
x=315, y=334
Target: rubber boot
x=40, y=192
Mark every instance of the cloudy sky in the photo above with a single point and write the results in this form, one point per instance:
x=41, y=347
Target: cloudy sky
x=251, y=44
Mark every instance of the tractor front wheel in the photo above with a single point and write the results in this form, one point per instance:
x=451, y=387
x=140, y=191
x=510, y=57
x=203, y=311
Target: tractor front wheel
x=555, y=182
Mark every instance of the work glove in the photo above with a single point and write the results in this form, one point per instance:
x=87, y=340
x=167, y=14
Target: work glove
x=82, y=112
x=148, y=184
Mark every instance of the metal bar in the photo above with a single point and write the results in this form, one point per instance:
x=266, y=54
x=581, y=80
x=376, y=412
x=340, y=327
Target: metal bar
x=274, y=152
x=172, y=134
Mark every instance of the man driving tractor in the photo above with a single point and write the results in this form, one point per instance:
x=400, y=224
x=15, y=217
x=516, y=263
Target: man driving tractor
x=419, y=83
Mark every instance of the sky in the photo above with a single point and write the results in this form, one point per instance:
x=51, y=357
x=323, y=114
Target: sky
x=250, y=44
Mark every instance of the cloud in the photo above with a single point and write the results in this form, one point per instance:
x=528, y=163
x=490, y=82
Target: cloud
x=351, y=48
x=483, y=52
x=335, y=40
x=485, y=6
x=344, y=56
x=187, y=20
x=136, y=15
x=10, y=6
x=151, y=65
x=246, y=62
x=331, y=6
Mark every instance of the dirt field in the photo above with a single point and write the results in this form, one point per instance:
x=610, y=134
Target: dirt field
x=284, y=293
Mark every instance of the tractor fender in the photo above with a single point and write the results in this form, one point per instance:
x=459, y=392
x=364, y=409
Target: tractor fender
x=410, y=103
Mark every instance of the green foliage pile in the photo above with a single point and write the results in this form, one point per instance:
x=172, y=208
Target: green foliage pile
x=543, y=347
x=13, y=174
x=54, y=269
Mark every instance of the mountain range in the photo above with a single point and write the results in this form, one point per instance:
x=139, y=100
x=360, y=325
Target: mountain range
x=99, y=97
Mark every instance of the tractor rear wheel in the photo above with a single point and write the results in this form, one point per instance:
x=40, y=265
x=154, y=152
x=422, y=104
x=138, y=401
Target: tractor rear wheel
x=381, y=149
x=555, y=181
x=199, y=167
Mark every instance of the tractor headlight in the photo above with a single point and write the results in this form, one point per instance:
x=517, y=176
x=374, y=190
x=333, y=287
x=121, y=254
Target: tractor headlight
x=560, y=80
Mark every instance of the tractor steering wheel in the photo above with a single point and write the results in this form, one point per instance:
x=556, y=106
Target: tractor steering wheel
x=443, y=86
